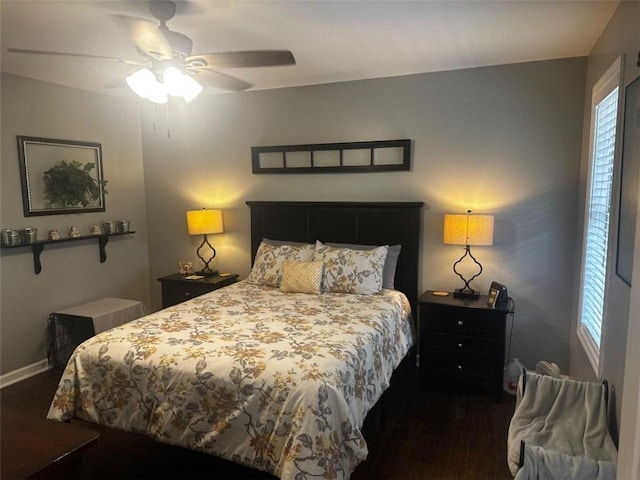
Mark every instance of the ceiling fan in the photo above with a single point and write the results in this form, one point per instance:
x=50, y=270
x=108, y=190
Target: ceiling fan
x=168, y=61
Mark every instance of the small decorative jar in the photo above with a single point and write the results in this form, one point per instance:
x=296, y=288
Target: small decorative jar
x=109, y=227
x=122, y=226
x=74, y=232
x=30, y=234
x=53, y=234
x=96, y=230
x=10, y=237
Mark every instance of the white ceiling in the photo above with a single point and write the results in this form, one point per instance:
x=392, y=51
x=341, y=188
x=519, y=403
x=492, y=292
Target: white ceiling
x=332, y=41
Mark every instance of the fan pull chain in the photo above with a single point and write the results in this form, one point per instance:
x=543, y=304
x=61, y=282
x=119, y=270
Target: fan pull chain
x=153, y=121
x=168, y=126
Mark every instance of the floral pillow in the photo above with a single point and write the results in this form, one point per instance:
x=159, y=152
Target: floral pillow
x=267, y=267
x=390, y=264
x=351, y=271
x=301, y=277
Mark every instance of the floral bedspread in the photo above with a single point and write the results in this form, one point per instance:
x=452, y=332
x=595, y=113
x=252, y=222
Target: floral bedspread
x=277, y=381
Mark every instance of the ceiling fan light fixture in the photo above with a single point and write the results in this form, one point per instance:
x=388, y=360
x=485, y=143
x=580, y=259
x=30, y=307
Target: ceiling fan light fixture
x=173, y=80
x=190, y=88
x=139, y=81
x=180, y=84
x=144, y=84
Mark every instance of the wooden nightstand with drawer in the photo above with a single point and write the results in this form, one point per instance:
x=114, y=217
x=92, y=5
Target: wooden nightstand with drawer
x=461, y=341
x=176, y=288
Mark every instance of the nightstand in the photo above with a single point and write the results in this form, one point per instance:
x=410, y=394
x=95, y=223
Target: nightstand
x=461, y=341
x=176, y=288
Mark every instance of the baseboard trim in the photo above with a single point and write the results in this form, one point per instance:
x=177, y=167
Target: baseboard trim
x=23, y=373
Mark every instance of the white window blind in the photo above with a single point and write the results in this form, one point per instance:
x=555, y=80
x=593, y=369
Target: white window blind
x=594, y=265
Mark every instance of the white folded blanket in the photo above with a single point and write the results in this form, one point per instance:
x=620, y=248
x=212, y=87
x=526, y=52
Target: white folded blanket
x=563, y=416
x=540, y=464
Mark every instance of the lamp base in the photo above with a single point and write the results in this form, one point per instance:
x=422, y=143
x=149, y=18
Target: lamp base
x=467, y=293
x=208, y=273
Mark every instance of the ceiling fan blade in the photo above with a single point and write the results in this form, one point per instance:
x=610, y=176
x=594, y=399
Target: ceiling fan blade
x=80, y=55
x=241, y=59
x=147, y=37
x=220, y=80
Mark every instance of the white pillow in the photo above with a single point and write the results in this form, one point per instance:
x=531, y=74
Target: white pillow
x=267, y=267
x=351, y=271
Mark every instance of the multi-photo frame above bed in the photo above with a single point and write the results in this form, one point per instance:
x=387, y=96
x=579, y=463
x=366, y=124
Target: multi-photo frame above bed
x=348, y=157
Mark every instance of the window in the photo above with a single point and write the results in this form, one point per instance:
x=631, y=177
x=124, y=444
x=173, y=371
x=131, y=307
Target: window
x=604, y=114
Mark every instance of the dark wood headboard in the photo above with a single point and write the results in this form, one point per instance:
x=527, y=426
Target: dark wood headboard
x=367, y=223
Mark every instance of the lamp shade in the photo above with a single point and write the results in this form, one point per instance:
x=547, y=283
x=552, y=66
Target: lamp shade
x=202, y=222
x=468, y=229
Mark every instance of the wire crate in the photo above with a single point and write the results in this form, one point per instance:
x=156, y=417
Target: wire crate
x=64, y=334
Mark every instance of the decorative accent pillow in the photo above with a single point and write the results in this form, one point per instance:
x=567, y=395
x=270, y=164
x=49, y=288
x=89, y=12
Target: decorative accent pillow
x=351, y=271
x=390, y=264
x=301, y=277
x=267, y=266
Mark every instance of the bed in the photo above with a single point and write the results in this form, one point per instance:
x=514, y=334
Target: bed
x=270, y=377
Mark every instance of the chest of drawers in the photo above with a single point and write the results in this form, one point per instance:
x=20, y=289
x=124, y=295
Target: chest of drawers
x=461, y=341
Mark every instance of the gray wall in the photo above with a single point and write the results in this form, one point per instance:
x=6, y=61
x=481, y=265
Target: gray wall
x=71, y=272
x=622, y=36
x=503, y=140
x=507, y=140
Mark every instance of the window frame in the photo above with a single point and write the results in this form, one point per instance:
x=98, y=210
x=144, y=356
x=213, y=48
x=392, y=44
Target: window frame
x=610, y=80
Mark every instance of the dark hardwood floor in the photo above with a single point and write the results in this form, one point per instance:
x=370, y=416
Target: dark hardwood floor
x=442, y=433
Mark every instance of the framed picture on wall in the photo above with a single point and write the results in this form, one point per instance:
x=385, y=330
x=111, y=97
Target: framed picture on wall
x=629, y=182
x=60, y=176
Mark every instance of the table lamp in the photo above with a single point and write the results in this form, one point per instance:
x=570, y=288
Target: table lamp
x=468, y=230
x=205, y=222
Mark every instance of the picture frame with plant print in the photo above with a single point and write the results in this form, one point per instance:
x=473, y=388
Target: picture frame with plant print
x=60, y=176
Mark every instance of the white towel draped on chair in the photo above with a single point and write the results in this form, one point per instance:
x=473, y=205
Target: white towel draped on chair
x=563, y=416
x=541, y=464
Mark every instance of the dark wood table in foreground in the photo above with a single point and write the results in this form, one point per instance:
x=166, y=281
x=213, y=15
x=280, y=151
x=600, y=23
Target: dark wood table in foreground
x=35, y=447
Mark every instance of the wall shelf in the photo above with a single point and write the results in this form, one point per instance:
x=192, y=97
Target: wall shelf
x=38, y=246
